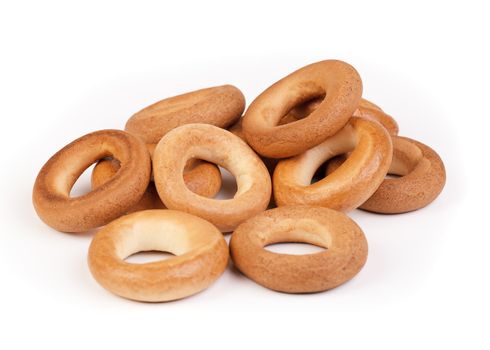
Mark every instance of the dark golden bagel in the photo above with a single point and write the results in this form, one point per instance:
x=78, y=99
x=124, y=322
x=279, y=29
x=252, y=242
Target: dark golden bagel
x=343, y=88
x=221, y=147
x=200, y=249
x=422, y=178
x=219, y=106
x=51, y=193
x=345, y=254
x=348, y=187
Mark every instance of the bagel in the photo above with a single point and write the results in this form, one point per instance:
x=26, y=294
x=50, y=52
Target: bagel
x=422, y=178
x=221, y=147
x=336, y=80
x=219, y=106
x=51, y=192
x=200, y=249
x=345, y=244
x=348, y=187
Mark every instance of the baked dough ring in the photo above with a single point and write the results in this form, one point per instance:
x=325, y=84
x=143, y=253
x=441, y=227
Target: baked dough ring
x=345, y=243
x=343, y=88
x=51, y=193
x=220, y=106
x=218, y=146
x=200, y=249
x=348, y=187
x=366, y=109
x=422, y=178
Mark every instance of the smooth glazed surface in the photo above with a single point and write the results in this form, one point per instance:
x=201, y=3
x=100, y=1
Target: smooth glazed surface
x=422, y=178
x=51, y=193
x=336, y=80
x=221, y=147
x=350, y=185
x=345, y=244
x=200, y=249
x=219, y=106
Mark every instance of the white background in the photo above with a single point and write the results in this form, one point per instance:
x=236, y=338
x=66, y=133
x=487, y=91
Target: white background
x=67, y=69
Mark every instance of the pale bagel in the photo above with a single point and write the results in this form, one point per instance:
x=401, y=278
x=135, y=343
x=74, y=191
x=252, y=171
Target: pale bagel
x=221, y=147
x=200, y=249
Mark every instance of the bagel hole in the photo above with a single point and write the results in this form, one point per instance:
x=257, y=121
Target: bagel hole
x=392, y=176
x=148, y=256
x=319, y=173
x=228, y=185
x=294, y=248
x=82, y=186
x=304, y=108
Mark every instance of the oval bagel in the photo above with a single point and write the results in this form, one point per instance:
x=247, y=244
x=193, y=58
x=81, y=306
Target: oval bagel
x=221, y=147
x=348, y=187
x=219, y=106
x=200, y=249
x=345, y=254
x=343, y=88
x=51, y=193
x=422, y=178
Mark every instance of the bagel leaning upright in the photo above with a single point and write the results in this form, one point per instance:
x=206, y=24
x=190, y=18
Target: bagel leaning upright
x=338, y=81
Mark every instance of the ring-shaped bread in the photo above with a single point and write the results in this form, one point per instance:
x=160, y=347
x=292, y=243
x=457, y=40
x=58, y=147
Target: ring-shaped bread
x=200, y=249
x=217, y=146
x=345, y=244
x=338, y=81
x=51, y=193
x=421, y=178
x=347, y=187
x=219, y=106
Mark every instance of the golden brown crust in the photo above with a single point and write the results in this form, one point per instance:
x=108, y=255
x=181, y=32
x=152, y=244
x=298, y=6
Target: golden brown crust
x=217, y=146
x=366, y=109
x=201, y=177
x=379, y=116
x=422, y=178
x=237, y=129
x=51, y=193
x=200, y=249
x=345, y=242
x=105, y=169
x=351, y=184
x=343, y=88
x=219, y=106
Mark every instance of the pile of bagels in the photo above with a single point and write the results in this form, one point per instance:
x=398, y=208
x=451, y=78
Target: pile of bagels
x=307, y=150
